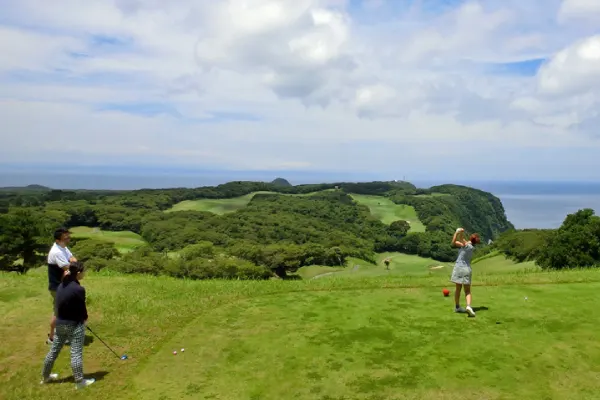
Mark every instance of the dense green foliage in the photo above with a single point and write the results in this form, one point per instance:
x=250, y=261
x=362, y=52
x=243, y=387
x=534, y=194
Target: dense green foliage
x=95, y=253
x=276, y=232
x=522, y=245
x=196, y=262
x=24, y=237
x=473, y=209
x=576, y=244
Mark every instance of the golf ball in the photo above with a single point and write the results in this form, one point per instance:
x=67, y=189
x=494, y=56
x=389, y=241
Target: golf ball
x=182, y=350
x=175, y=352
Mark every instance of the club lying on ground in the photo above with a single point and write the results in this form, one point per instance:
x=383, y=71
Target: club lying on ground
x=123, y=357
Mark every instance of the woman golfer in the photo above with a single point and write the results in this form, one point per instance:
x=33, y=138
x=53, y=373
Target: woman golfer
x=461, y=274
x=71, y=316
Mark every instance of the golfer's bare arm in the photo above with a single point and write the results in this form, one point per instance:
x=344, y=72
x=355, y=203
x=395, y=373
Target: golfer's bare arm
x=456, y=242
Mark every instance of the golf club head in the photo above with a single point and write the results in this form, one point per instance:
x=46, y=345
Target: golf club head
x=124, y=357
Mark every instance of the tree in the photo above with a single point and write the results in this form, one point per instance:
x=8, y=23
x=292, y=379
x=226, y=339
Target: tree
x=202, y=249
x=576, y=244
x=520, y=245
x=89, y=249
x=399, y=228
x=25, y=235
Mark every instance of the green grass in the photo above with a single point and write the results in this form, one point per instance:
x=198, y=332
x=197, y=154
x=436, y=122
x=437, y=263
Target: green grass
x=500, y=264
x=388, y=211
x=380, y=337
x=223, y=206
x=215, y=206
x=407, y=264
x=311, y=271
x=124, y=241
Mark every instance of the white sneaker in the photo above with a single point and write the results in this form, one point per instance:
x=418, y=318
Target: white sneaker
x=470, y=311
x=84, y=383
x=51, y=378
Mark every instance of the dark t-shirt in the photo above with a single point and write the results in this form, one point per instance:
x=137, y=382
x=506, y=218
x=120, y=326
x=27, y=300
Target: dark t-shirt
x=70, y=302
x=55, y=274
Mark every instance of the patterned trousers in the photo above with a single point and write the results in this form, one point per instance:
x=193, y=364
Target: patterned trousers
x=76, y=334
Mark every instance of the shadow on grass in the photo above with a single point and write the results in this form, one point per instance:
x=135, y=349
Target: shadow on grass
x=476, y=309
x=98, y=376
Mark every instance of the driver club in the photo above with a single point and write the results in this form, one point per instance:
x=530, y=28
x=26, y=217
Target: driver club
x=123, y=357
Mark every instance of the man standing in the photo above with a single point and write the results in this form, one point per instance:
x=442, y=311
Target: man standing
x=387, y=263
x=59, y=259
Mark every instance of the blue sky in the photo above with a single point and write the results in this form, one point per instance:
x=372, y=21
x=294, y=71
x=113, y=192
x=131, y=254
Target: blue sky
x=433, y=89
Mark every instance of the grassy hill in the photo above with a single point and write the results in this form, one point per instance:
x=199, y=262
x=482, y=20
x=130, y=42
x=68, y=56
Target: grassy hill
x=124, y=241
x=388, y=211
x=215, y=206
x=360, y=331
x=392, y=337
x=380, y=207
x=411, y=265
x=223, y=206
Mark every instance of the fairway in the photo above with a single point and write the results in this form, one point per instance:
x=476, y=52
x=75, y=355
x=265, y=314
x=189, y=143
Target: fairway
x=124, y=241
x=388, y=211
x=223, y=206
x=384, y=344
x=501, y=264
x=392, y=337
x=412, y=265
x=317, y=271
x=400, y=264
x=215, y=206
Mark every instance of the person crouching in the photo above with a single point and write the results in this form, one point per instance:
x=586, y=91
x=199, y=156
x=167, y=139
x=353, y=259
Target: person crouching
x=71, y=316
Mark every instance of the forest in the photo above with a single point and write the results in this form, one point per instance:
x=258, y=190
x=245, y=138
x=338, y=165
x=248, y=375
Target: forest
x=281, y=229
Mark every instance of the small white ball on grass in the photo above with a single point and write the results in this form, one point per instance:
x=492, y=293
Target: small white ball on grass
x=182, y=350
x=175, y=352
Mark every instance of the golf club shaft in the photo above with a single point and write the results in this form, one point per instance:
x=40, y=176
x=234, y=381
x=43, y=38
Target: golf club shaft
x=90, y=329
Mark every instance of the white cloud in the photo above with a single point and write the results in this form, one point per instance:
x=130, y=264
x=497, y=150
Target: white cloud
x=297, y=83
x=575, y=69
x=579, y=10
x=21, y=49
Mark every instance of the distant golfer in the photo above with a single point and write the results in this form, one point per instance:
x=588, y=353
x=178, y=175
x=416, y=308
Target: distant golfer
x=71, y=313
x=59, y=259
x=461, y=274
x=387, y=263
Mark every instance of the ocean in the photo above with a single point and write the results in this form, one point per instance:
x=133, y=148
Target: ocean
x=547, y=205
x=542, y=204
x=527, y=204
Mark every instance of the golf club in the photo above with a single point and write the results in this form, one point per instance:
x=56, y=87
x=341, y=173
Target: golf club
x=123, y=357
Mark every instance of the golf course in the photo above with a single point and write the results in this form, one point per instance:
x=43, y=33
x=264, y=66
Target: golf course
x=267, y=295
x=388, y=337
x=124, y=241
x=381, y=208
